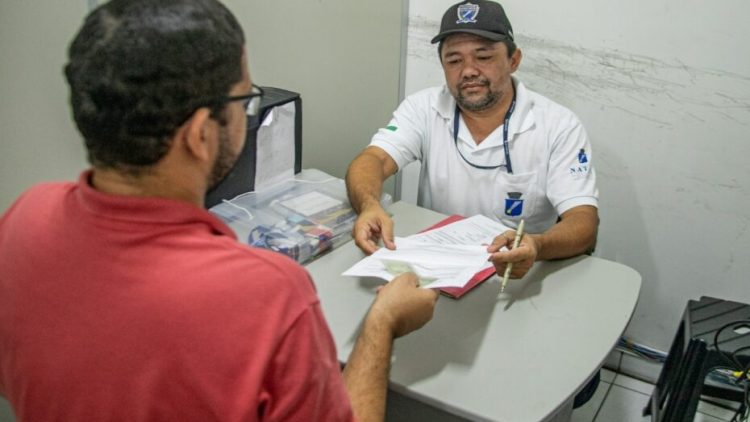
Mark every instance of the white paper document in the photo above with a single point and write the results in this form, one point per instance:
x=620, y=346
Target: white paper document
x=275, y=147
x=448, y=256
x=476, y=230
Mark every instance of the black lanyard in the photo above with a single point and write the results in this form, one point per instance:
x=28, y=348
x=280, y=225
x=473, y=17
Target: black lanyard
x=506, y=148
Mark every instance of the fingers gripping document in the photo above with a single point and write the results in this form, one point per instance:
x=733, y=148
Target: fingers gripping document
x=445, y=257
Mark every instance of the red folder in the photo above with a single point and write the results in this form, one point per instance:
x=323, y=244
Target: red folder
x=457, y=292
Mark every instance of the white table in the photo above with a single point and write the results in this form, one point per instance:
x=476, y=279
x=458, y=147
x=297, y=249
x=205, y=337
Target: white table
x=515, y=359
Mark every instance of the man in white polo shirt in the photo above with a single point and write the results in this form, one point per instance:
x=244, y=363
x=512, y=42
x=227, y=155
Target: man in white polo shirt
x=487, y=145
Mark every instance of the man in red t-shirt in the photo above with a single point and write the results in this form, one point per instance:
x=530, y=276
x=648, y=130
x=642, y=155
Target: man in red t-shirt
x=121, y=298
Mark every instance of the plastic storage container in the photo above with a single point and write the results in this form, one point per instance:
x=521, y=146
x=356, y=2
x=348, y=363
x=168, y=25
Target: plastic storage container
x=300, y=218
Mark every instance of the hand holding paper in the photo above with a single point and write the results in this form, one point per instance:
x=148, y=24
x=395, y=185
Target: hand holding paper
x=445, y=257
x=397, y=268
x=403, y=306
x=372, y=225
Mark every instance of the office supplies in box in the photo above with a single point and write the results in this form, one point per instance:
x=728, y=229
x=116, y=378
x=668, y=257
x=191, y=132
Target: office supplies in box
x=300, y=219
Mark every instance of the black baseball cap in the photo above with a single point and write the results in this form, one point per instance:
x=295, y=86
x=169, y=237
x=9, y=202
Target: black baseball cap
x=479, y=17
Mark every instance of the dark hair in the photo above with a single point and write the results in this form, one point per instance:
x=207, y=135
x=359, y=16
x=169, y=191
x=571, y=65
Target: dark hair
x=510, y=45
x=138, y=69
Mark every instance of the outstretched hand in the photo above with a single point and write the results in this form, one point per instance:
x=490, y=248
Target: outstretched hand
x=373, y=225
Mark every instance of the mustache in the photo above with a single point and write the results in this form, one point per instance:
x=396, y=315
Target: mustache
x=473, y=81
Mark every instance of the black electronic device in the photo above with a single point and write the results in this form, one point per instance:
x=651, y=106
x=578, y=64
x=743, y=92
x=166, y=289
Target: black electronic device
x=241, y=178
x=713, y=335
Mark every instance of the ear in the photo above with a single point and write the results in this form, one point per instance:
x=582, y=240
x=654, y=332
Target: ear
x=515, y=60
x=197, y=134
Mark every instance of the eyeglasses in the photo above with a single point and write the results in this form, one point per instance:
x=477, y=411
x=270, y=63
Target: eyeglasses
x=250, y=102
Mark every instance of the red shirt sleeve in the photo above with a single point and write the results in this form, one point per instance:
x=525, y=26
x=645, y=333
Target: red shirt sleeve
x=304, y=381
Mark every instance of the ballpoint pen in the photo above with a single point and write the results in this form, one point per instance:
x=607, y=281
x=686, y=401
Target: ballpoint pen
x=509, y=267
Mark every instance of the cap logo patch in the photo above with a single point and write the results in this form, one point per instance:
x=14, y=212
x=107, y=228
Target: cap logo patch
x=467, y=13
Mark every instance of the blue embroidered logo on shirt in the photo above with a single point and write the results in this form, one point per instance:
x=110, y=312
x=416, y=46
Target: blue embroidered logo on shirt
x=582, y=156
x=513, y=204
x=582, y=169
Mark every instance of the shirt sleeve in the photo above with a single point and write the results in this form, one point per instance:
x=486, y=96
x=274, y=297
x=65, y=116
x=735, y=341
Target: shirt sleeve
x=304, y=381
x=571, y=177
x=402, y=139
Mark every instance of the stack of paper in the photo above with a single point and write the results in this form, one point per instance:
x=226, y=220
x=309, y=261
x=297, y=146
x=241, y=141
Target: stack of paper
x=445, y=257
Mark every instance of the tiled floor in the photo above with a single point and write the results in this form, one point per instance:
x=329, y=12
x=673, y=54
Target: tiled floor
x=620, y=398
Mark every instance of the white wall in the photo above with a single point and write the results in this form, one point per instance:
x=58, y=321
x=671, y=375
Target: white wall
x=342, y=56
x=663, y=88
x=38, y=139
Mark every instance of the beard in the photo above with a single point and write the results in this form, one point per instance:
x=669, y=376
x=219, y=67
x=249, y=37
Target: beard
x=480, y=104
x=225, y=160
